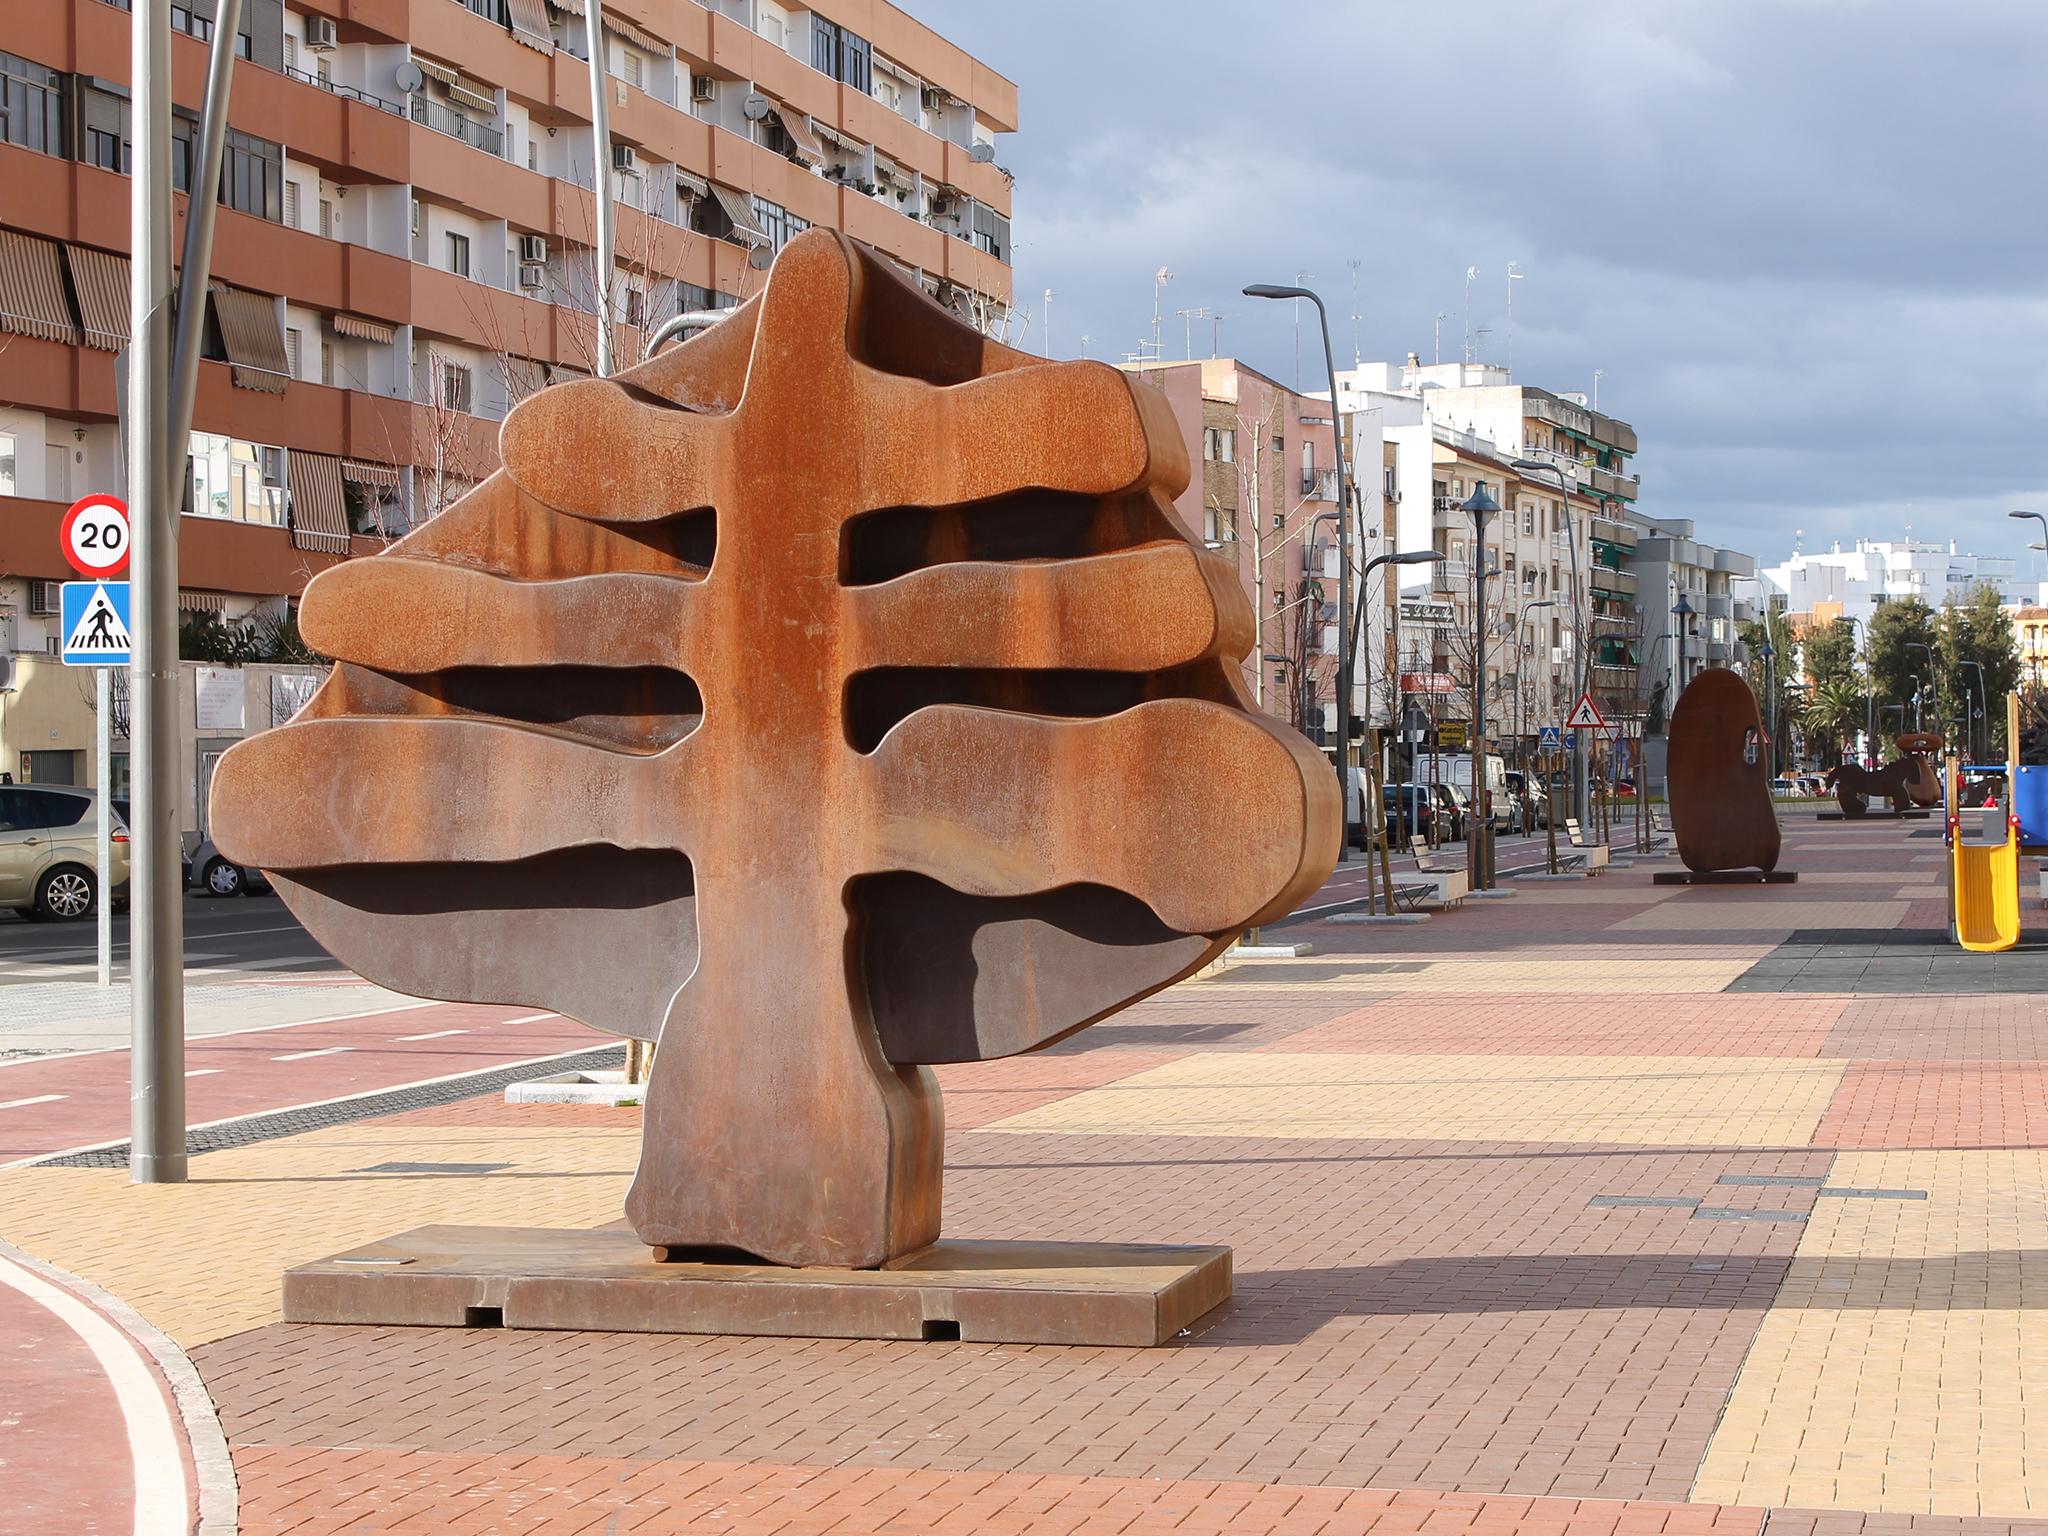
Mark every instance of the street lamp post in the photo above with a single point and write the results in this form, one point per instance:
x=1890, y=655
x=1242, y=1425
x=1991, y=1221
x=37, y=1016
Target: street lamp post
x=1368, y=779
x=1914, y=677
x=1933, y=678
x=1769, y=653
x=1982, y=711
x=1681, y=611
x=1482, y=506
x=1279, y=291
x=1580, y=792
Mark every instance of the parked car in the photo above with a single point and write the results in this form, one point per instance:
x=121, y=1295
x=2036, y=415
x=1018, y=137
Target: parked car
x=207, y=870
x=1783, y=788
x=49, y=853
x=1409, y=813
x=1456, y=811
x=1535, y=806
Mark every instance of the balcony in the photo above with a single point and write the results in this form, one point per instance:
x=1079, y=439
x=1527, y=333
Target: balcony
x=481, y=136
x=347, y=92
x=1621, y=487
x=1319, y=484
x=1605, y=578
x=1608, y=530
x=1559, y=413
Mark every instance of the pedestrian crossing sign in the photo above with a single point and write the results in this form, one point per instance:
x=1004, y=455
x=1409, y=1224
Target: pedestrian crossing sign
x=1549, y=738
x=94, y=617
x=1585, y=717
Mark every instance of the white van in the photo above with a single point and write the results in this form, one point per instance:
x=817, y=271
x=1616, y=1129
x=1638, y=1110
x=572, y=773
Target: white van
x=1456, y=768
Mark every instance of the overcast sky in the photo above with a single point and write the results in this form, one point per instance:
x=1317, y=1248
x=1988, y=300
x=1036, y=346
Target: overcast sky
x=1801, y=239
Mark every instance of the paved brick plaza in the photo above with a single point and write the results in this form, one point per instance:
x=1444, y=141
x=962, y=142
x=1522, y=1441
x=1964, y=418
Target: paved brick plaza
x=1592, y=1211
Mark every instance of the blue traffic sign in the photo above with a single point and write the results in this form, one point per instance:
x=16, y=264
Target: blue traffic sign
x=95, y=618
x=1549, y=738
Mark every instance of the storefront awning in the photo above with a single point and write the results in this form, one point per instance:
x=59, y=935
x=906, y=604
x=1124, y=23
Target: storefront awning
x=319, y=510
x=100, y=281
x=32, y=301
x=252, y=337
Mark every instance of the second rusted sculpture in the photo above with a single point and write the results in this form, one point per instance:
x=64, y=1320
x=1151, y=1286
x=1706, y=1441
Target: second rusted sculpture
x=829, y=697
x=1908, y=780
x=1722, y=818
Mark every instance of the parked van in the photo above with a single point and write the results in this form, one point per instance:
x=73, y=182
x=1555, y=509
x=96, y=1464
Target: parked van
x=1455, y=768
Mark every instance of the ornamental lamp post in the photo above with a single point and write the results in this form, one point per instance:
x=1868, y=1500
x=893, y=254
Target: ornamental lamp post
x=1768, y=651
x=1480, y=854
x=1683, y=612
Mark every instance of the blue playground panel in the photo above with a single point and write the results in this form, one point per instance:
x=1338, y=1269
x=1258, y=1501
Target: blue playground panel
x=2030, y=801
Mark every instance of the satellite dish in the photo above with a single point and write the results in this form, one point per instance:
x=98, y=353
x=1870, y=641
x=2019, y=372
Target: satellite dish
x=756, y=106
x=760, y=258
x=982, y=153
x=409, y=77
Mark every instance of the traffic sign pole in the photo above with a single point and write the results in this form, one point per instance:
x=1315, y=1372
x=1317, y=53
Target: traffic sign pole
x=102, y=771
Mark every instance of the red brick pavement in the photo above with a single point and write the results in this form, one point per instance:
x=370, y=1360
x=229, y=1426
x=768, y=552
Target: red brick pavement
x=1938, y=1104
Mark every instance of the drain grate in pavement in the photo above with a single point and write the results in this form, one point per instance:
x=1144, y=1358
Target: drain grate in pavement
x=1874, y=1194
x=1773, y=1180
x=290, y=1122
x=1732, y=1213
x=431, y=1168
x=1659, y=1202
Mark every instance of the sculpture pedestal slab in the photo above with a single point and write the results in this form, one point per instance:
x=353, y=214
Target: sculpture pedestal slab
x=1873, y=816
x=609, y=1281
x=1725, y=877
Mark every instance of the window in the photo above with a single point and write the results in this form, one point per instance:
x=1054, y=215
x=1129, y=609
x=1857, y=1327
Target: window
x=841, y=54
x=636, y=307
x=991, y=232
x=326, y=362
x=293, y=340
x=1219, y=445
x=185, y=19
x=455, y=391
x=635, y=68
x=7, y=481
x=1219, y=525
x=233, y=479
x=458, y=254
x=782, y=225
x=252, y=176
x=31, y=105
x=1528, y=519
x=326, y=219
x=291, y=205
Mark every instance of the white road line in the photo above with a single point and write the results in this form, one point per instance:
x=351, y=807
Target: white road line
x=41, y=1098
x=439, y=1034
x=205, y=1071
x=153, y=1444
x=276, y=963
x=332, y=1050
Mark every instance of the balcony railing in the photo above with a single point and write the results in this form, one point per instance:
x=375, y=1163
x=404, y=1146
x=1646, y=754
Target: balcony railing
x=1609, y=483
x=1319, y=484
x=1606, y=579
x=367, y=98
x=439, y=118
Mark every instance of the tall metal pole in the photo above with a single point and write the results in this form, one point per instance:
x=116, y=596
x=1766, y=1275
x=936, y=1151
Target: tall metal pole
x=156, y=1152
x=198, y=258
x=1578, y=631
x=102, y=769
x=601, y=154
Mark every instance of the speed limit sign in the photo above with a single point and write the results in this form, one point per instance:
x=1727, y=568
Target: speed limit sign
x=95, y=536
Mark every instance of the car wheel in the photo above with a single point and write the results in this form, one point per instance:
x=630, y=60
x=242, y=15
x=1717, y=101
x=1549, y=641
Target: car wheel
x=222, y=878
x=65, y=894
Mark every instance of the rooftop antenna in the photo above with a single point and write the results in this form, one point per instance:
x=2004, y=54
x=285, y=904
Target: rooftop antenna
x=1048, y=322
x=1159, y=281
x=1598, y=375
x=1357, y=357
x=1188, y=318
x=1514, y=277
x=1441, y=316
x=1085, y=339
x=1216, y=334
x=1470, y=274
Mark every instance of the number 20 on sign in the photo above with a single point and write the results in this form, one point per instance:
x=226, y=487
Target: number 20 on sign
x=95, y=536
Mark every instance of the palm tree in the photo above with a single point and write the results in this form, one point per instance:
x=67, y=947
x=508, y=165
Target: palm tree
x=1833, y=712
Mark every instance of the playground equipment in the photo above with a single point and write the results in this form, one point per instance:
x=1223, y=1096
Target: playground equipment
x=1721, y=813
x=1984, y=877
x=1908, y=781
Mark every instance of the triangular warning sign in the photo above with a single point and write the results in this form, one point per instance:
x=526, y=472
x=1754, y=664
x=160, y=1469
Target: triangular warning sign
x=99, y=628
x=1584, y=716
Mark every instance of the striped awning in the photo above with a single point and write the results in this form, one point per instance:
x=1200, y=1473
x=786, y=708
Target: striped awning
x=252, y=337
x=363, y=330
x=746, y=229
x=358, y=473
x=530, y=24
x=202, y=602
x=798, y=127
x=319, y=510
x=467, y=95
x=99, y=279
x=618, y=26
x=696, y=186
x=440, y=72
x=32, y=301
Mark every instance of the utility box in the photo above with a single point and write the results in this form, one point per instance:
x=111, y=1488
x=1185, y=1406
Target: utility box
x=2030, y=804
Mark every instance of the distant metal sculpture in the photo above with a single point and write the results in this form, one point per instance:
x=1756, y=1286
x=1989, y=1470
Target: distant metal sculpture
x=1721, y=813
x=830, y=696
x=1909, y=780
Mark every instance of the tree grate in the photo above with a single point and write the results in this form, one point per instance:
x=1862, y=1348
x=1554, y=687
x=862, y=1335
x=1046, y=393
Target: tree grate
x=291, y=1122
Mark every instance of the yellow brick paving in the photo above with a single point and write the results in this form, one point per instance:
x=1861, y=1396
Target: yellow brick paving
x=1903, y=1367
x=1435, y=974
x=202, y=1260
x=1728, y=1101
x=1719, y=914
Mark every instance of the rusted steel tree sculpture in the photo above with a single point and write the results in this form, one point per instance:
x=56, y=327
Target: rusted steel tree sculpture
x=831, y=696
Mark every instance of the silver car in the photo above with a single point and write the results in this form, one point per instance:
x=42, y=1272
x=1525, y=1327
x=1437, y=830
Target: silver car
x=49, y=852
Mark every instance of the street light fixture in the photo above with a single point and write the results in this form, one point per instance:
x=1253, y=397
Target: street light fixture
x=1482, y=506
x=1280, y=291
x=1769, y=652
x=1581, y=792
x=1682, y=610
x=1983, y=711
x=1933, y=676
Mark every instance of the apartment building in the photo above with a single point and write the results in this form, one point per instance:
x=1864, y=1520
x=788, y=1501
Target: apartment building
x=1671, y=561
x=405, y=249
x=1561, y=596
x=1264, y=493
x=1874, y=571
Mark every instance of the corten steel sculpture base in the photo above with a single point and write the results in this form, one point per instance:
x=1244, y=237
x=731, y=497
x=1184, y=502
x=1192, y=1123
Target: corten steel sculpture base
x=1908, y=781
x=1722, y=818
x=831, y=696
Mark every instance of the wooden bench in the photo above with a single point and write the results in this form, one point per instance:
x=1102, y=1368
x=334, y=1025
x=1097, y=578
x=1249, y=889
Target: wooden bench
x=1593, y=855
x=1445, y=887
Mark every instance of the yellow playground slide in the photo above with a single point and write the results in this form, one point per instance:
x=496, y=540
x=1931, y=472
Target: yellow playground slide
x=1987, y=887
